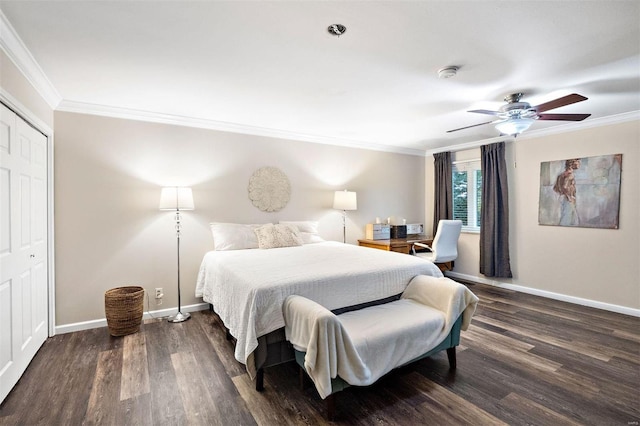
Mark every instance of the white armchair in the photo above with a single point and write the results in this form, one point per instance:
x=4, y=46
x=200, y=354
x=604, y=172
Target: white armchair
x=444, y=248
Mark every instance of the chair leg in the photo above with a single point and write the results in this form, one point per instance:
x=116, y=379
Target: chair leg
x=451, y=354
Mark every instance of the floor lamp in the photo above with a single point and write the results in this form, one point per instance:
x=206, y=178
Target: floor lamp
x=178, y=199
x=345, y=200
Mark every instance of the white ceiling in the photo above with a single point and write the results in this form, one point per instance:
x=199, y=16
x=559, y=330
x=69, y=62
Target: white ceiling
x=272, y=68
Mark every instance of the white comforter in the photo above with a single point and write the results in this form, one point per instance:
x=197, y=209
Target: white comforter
x=248, y=287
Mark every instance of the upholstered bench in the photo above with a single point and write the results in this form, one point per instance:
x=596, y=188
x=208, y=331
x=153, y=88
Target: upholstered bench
x=358, y=347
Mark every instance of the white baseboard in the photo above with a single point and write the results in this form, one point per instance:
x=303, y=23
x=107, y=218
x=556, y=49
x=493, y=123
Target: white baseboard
x=86, y=325
x=549, y=294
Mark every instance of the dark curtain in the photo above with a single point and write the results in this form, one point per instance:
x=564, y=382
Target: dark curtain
x=494, y=223
x=443, y=189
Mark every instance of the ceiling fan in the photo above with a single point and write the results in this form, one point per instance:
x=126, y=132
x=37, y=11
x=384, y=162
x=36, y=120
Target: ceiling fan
x=515, y=117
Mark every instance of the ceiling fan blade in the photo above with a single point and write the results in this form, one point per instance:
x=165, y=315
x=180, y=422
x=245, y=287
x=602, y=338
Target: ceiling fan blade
x=473, y=125
x=485, y=111
x=564, y=117
x=557, y=103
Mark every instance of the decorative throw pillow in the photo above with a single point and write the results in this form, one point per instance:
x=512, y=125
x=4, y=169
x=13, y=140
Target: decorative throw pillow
x=234, y=236
x=275, y=236
x=308, y=230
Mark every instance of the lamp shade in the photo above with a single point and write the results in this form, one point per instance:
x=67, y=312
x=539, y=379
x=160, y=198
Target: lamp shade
x=345, y=200
x=514, y=126
x=176, y=198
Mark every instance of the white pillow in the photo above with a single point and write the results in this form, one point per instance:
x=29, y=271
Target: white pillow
x=275, y=236
x=308, y=230
x=234, y=236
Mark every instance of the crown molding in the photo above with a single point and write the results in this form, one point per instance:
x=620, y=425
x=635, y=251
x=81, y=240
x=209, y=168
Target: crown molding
x=15, y=49
x=555, y=130
x=155, y=117
x=582, y=125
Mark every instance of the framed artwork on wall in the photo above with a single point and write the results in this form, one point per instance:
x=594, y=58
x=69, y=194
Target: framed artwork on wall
x=581, y=192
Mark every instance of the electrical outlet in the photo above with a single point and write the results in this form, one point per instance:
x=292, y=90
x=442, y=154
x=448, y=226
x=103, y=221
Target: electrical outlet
x=159, y=293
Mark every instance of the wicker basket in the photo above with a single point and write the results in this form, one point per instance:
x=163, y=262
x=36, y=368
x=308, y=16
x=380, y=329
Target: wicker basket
x=123, y=307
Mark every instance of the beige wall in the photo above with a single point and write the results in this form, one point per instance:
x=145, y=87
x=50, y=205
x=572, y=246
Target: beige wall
x=598, y=265
x=13, y=81
x=108, y=175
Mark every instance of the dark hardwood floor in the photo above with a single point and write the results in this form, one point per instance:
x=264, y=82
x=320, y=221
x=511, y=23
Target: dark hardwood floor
x=524, y=360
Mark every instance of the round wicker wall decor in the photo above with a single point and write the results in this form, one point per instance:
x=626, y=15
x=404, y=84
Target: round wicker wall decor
x=269, y=189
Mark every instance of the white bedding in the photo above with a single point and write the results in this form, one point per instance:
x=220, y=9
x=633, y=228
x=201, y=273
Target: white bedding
x=248, y=287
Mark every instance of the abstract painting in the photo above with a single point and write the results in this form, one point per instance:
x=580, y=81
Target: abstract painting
x=581, y=192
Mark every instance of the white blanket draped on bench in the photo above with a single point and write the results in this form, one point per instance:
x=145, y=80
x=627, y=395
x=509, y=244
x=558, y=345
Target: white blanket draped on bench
x=361, y=346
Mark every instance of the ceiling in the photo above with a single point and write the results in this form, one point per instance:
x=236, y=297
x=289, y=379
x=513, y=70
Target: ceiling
x=272, y=68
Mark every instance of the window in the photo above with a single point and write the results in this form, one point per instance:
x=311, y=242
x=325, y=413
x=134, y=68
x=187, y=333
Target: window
x=467, y=194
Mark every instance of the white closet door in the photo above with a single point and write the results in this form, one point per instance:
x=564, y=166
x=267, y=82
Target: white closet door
x=23, y=246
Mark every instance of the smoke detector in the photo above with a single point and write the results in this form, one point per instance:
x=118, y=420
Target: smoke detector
x=336, y=29
x=448, y=72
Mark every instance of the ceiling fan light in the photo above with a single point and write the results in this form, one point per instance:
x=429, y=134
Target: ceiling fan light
x=514, y=126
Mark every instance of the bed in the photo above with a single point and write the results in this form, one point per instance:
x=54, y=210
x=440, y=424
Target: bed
x=247, y=288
